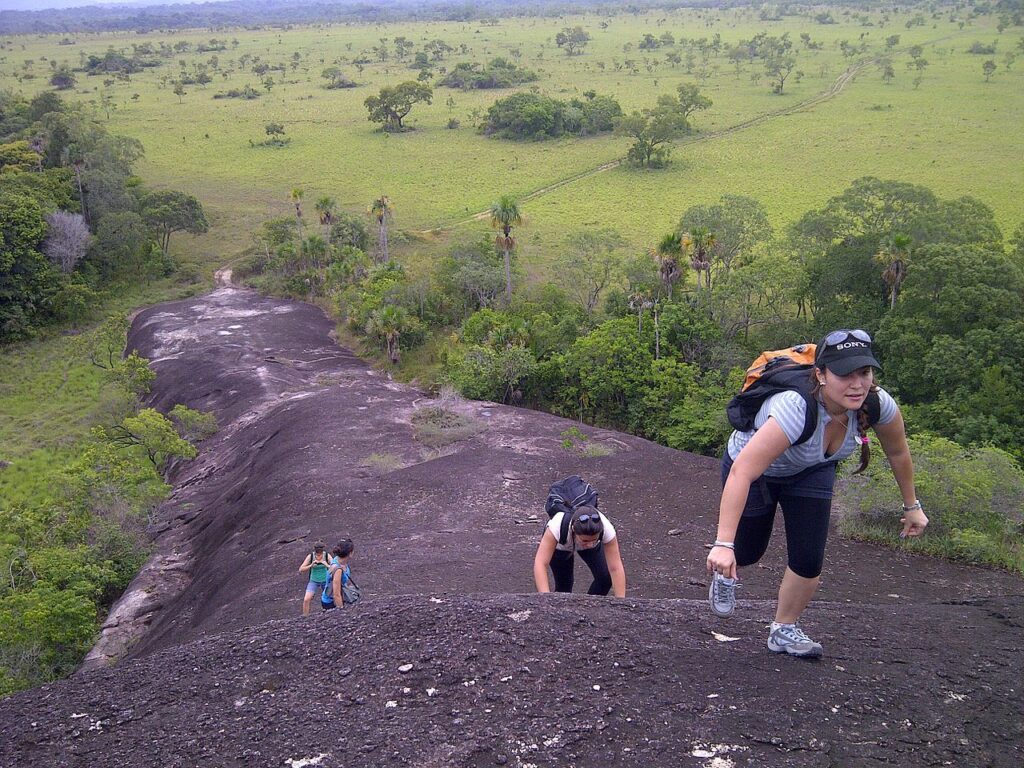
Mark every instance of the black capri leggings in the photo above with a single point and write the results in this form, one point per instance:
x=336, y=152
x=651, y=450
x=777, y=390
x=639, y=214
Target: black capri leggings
x=806, y=501
x=562, y=566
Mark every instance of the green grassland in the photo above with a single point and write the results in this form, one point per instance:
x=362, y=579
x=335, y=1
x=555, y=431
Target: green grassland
x=954, y=133
x=51, y=396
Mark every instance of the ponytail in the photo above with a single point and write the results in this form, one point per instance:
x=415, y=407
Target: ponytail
x=592, y=526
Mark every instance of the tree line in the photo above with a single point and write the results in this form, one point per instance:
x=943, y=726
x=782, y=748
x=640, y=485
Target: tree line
x=76, y=228
x=74, y=220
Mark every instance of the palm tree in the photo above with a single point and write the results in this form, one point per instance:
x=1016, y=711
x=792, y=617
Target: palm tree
x=326, y=208
x=639, y=301
x=296, y=197
x=702, y=241
x=382, y=211
x=894, y=256
x=314, y=248
x=505, y=214
x=668, y=254
x=388, y=323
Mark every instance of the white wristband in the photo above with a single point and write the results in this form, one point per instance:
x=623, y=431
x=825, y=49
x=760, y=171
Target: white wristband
x=726, y=544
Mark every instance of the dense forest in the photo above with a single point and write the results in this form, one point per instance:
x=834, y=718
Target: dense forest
x=74, y=220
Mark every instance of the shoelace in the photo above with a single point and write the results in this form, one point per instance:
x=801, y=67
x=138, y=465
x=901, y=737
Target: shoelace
x=725, y=590
x=795, y=634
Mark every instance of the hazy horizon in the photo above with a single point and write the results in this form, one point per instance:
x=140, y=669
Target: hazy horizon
x=46, y=5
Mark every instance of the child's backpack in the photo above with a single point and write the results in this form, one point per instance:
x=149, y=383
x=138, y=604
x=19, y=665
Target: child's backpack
x=567, y=496
x=779, y=370
x=350, y=592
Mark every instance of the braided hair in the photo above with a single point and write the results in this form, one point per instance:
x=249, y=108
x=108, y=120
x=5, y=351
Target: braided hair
x=862, y=422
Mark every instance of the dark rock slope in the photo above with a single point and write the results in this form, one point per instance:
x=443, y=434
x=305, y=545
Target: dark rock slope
x=450, y=660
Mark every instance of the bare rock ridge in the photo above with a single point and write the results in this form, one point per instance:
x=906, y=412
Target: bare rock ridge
x=449, y=660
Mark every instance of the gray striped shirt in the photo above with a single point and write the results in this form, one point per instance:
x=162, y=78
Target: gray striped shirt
x=789, y=409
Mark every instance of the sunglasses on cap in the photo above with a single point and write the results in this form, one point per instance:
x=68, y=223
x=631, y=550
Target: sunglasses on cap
x=837, y=337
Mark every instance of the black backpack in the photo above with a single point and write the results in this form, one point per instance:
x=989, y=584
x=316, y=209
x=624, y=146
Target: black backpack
x=781, y=374
x=567, y=496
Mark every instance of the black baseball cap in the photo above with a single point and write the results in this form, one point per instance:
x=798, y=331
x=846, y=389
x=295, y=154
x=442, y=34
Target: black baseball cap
x=844, y=351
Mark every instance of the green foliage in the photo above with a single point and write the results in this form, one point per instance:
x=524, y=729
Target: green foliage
x=537, y=117
x=170, y=212
x=698, y=423
x=499, y=73
x=193, y=426
x=841, y=241
x=154, y=434
x=573, y=40
x=133, y=375
x=606, y=371
x=974, y=499
x=67, y=559
x=578, y=442
x=17, y=156
x=348, y=230
x=390, y=327
x=591, y=264
x=336, y=78
x=44, y=633
x=27, y=278
x=652, y=130
x=484, y=373
x=471, y=276
x=391, y=106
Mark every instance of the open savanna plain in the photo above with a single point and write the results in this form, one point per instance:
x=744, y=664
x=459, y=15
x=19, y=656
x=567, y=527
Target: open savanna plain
x=838, y=120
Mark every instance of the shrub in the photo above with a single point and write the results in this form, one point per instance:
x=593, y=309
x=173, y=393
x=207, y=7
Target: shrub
x=980, y=48
x=499, y=73
x=248, y=92
x=383, y=462
x=193, y=425
x=533, y=116
x=974, y=498
x=436, y=426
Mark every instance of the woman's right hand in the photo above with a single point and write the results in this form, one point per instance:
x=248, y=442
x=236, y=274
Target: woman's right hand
x=722, y=560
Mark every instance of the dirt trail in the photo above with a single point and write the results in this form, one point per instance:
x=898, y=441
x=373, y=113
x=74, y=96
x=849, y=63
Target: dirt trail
x=831, y=92
x=837, y=87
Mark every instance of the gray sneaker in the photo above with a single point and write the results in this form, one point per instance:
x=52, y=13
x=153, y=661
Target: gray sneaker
x=789, y=638
x=722, y=595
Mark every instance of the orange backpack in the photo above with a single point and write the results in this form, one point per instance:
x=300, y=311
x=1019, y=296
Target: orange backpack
x=779, y=370
x=801, y=354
